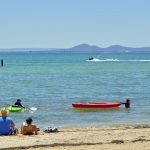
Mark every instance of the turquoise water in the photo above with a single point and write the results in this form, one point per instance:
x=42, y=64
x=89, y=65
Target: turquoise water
x=53, y=81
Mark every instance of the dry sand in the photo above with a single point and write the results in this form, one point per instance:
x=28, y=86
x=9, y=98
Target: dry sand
x=121, y=137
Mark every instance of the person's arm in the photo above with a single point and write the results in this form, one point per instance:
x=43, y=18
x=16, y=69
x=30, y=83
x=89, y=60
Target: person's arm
x=122, y=103
x=35, y=130
x=22, y=129
x=14, y=128
x=12, y=125
x=20, y=105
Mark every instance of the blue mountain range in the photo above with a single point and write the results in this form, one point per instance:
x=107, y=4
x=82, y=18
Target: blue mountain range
x=85, y=48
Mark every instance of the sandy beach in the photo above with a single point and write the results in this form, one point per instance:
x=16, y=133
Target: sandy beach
x=124, y=137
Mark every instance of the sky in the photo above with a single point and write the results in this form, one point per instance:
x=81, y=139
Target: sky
x=66, y=23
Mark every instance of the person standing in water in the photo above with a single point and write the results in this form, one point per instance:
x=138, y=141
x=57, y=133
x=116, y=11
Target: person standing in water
x=127, y=103
x=2, y=62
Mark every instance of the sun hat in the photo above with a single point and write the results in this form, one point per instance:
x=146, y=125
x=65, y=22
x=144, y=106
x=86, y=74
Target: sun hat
x=4, y=112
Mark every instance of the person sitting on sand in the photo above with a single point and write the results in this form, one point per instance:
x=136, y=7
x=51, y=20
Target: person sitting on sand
x=7, y=126
x=18, y=103
x=28, y=128
x=127, y=103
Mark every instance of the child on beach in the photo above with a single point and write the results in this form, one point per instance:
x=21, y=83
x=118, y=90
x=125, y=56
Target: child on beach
x=28, y=128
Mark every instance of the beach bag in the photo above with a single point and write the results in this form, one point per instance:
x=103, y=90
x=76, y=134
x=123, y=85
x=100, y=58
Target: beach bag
x=50, y=129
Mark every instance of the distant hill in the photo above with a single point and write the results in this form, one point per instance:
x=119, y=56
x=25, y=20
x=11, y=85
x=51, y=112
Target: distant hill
x=83, y=48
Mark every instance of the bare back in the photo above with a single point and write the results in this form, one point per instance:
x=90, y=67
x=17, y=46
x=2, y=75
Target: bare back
x=28, y=129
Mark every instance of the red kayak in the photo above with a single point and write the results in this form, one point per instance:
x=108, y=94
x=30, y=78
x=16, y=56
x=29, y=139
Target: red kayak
x=96, y=104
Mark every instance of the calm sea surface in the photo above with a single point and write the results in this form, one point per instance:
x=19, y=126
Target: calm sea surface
x=53, y=81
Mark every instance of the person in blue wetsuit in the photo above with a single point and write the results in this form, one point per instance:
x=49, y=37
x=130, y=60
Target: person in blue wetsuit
x=18, y=103
x=7, y=126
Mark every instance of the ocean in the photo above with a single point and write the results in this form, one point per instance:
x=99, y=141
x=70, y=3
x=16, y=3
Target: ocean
x=51, y=82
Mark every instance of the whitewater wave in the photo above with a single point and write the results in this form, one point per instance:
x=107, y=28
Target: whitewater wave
x=115, y=60
x=109, y=60
x=140, y=60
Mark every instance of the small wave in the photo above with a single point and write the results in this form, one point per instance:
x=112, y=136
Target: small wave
x=110, y=60
x=140, y=60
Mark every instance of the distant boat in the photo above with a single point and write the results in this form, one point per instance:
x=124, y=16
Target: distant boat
x=92, y=59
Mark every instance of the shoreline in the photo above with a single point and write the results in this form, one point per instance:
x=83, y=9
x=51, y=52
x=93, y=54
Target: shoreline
x=125, y=137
